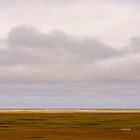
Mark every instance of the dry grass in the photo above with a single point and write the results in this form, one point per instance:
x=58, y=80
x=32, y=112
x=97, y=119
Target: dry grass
x=69, y=126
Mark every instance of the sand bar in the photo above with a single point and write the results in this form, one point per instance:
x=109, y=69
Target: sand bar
x=70, y=111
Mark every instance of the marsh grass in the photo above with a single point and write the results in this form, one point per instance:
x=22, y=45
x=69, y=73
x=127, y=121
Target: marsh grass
x=74, y=126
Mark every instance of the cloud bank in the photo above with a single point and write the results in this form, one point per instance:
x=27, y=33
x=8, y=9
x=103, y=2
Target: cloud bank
x=27, y=54
x=93, y=60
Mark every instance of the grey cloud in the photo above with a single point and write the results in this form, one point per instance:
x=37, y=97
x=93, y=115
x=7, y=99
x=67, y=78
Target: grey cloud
x=33, y=55
x=135, y=42
x=25, y=36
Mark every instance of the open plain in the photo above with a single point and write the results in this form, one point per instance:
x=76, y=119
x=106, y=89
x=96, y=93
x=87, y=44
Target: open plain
x=69, y=124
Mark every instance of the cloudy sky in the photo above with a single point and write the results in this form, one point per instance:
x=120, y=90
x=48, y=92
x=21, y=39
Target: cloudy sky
x=70, y=53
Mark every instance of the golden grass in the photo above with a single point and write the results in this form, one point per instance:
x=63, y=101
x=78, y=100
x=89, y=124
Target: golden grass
x=60, y=125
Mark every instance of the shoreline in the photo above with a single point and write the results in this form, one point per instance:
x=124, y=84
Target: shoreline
x=69, y=110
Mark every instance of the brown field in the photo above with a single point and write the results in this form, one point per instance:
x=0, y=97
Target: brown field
x=69, y=125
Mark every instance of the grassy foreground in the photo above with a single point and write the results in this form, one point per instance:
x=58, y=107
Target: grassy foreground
x=69, y=126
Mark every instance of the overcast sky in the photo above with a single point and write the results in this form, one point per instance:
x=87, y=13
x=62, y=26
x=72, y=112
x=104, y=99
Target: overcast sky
x=70, y=53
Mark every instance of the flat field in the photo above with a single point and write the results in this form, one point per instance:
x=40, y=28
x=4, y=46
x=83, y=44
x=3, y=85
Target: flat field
x=71, y=125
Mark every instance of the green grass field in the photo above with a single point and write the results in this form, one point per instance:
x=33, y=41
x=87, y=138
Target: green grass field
x=69, y=126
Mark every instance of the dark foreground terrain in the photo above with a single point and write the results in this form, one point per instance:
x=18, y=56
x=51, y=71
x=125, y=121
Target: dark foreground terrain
x=69, y=126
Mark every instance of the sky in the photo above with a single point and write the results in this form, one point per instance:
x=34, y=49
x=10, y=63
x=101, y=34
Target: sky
x=69, y=54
